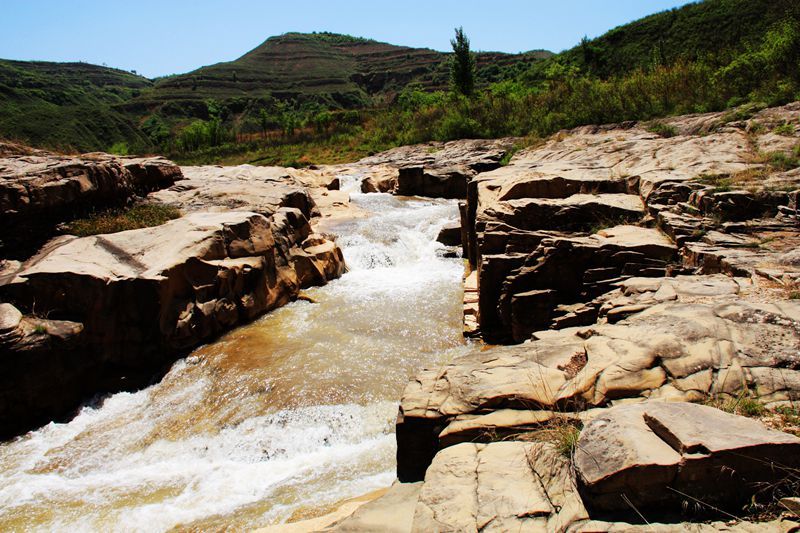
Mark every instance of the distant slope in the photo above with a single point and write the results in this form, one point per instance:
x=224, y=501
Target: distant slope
x=67, y=105
x=335, y=70
x=687, y=33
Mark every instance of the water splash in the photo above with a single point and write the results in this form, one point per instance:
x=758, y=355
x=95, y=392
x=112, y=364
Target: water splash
x=292, y=412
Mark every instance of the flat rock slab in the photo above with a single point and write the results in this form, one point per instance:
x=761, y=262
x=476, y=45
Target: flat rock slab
x=261, y=190
x=503, y=486
x=651, y=455
x=576, y=212
x=392, y=512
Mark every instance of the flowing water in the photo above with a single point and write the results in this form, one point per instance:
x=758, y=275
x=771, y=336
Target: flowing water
x=279, y=418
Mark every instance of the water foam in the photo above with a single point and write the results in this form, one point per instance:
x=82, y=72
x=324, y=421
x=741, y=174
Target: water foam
x=120, y=464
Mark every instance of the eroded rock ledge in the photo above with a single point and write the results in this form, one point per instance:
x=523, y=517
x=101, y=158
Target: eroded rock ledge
x=39, y=190
x=635, y=273
x=109, y=312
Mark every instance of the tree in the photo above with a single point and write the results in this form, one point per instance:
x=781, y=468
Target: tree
x=462, y=65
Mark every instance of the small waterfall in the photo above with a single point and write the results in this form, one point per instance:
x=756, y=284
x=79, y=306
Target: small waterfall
x=287, y=415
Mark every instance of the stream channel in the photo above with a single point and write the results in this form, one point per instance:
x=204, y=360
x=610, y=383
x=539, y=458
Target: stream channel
x=275, y=421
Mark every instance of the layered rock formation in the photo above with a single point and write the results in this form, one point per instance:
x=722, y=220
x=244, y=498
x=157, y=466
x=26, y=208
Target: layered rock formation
x=108, y=312
x=39, y=190
x=634, y=273
x=434, y=169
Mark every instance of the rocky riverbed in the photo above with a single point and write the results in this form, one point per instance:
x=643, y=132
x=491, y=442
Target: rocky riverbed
x=631, y=296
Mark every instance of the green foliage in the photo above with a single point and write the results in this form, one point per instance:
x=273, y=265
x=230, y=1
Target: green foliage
x=40, y=329
x=661, y=129
x=462, y=65
x=68, y=106
x=119, y=148
x=143, y=215
x=782, y=161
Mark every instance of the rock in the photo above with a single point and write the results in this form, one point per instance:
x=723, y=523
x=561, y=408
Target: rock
x=791, y=504
x=681, y=349
x=379, y=183
x=39, y=190
x=450, y=235
x=393, y=512
x=262, y=190
x=436, y=169
x=656, y=455
x=144, y=297
x=446, y=183
x=758, y=248
x=563, y=271
x=503, y=486
x=573, y=213
x=478, y=155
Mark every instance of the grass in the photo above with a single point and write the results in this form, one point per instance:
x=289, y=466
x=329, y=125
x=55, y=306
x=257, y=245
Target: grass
x=785, y=129
x=661, y=129
x=744, y=404
x=39, y=329
x=143, y=215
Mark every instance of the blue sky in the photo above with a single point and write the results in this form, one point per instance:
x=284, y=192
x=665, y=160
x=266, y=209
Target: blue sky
x=173, y=36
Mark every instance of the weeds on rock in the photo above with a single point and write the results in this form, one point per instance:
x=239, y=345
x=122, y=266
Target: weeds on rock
x=744, y=404
x=115, y=220
x=661, y=129
x=786, y=129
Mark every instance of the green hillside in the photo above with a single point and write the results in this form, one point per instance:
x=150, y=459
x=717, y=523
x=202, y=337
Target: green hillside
x=718, y=28
x=67, y=105
x=356, y=95
x=336, y=71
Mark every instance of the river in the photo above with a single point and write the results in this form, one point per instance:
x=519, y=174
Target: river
x=277, y=420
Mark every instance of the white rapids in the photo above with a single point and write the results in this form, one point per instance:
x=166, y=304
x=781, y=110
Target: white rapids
x=277, y=420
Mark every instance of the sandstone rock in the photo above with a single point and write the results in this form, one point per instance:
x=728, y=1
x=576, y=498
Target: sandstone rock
x=564, y=271
x=438, y=183
x=262, y=190
x=503, y=486
x=38, y=190
x=450, y=235
x=478, y=155
x=435, y=169
x=378, y=184
x=656, y=453
x=144, y=297
x=393, y=512
x=677, y=350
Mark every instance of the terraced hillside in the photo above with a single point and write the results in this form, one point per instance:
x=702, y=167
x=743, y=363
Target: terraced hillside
x=336, y=70
x=67, y=105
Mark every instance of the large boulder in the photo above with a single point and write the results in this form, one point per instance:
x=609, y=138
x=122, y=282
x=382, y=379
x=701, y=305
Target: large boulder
x=39, y=190
x=656, y=455
x=502, y=486
x=144, y=297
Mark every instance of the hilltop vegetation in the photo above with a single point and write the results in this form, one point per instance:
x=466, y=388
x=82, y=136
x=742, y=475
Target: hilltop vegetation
x=310, y=98
x=68, y=105
x=701, y=57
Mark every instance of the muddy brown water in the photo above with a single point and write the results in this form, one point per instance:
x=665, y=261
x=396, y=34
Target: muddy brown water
x=291, y=413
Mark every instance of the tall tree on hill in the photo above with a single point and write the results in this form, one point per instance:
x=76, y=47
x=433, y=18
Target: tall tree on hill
x=462, y=65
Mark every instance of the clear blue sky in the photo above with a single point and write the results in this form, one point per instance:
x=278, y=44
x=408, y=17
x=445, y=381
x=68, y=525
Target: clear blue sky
x=158, y=37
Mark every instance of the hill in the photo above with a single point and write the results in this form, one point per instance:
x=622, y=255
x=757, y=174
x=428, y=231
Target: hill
x=67, y=105
x=335, y=71
x=689, y=33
